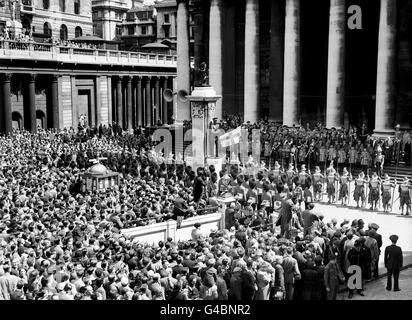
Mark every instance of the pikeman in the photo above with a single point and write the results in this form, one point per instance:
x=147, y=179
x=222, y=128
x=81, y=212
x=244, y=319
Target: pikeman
x=330, y=168
x=374, y=191
x=379, y=161
x=386, y=192
x=304, y=177
x=278, y=174
x=317, y=183
x=353, y=157
x=341, y=157
x=293, y=154
x=331, y=153
x=331, y=178
x=290, y=176
x=286, y=153
x=365, y=159
x=344, y=190
x=404, y=196
x=310, y=153
x=359, y=193
x=322, y=154
x=276, y=152
x=302, y=153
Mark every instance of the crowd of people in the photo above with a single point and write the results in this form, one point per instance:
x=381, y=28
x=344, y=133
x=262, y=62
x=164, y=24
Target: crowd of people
x=59, y=242
x=24, y=39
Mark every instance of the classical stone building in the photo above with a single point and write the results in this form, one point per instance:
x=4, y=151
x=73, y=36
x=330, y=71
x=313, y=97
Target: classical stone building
x=50, y=86
x=139, y=27
x=107, y=15
x=295, y=61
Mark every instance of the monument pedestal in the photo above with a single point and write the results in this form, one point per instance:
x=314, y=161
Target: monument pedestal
x=224, y=203
x=217, y=163
x=203, y=106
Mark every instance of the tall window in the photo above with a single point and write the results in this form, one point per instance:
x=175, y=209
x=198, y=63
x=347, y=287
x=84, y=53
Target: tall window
x=46, y=4
x=144, y=29
x=47, y=30
x=167, y=31
x=76, y=6
x=130, y=30
x=167, y=18
x=63, y=32
x=62, y=4
x=78, y=32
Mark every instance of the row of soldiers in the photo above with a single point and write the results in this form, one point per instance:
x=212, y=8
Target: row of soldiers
x=373, y=189
x=319, y=153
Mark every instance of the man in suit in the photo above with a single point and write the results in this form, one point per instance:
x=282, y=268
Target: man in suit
x=378, y=239
x=248, y=277
x=393, y=263
x=291, y=269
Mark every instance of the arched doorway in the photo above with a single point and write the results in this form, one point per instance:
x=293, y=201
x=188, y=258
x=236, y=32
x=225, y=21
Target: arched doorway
x=40, y=119
x=17, y=120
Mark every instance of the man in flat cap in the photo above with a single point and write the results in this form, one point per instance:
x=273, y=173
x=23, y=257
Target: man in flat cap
x=378, y=238
x=393, y=263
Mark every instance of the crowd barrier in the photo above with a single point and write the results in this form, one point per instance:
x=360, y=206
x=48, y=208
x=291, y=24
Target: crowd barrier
x=154, y=233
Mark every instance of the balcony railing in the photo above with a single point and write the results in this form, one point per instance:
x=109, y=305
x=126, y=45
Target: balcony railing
x=17, y=50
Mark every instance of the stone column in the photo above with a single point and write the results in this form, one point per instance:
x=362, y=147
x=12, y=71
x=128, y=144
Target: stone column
x=109, y=99
x=165, y=103
x=183, y=60
x=148, y=109
x=291, y=78
x=129, y=103
x=119, y=102
x=335, y=104
x=139, y=102
x=98, y=102
x=215, y=51
x=199, y=31
x=386, y=77
x=8, y=125
x=55, y=100
x=251, y=79
x=32, y=102
x=157, y=99
x=276, y=61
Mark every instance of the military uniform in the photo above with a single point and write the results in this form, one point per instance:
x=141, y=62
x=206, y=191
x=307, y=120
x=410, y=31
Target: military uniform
x=344, y=190
x=404, y=195
x=317, y=182
x=374, y=190
x=386, y=192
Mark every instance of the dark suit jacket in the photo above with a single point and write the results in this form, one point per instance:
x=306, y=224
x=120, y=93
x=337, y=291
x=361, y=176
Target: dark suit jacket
x=393, y=257
x=378, y=239
x=248, y=285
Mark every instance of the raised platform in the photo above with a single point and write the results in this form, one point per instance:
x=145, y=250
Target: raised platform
x=154, y=233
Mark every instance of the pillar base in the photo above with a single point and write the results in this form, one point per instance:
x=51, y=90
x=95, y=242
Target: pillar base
x=216, y=162
x=383, y=133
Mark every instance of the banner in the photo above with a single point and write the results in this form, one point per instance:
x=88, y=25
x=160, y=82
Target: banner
x=231, y=137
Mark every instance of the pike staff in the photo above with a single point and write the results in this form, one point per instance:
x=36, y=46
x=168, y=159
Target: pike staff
x=396, y=175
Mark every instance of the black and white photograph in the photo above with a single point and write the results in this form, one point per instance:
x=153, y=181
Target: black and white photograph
x=224, y=151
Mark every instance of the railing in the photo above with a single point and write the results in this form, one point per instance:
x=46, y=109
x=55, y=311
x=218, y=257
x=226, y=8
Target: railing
x=10, y=49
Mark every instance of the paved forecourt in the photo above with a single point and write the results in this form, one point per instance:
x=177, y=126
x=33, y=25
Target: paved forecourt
x=389, y=223
x=376, y=290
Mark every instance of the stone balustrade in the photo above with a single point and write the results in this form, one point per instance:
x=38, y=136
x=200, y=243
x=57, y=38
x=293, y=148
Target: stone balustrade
x=16, y=50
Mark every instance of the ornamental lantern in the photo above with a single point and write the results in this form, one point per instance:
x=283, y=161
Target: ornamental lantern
x=99, y=177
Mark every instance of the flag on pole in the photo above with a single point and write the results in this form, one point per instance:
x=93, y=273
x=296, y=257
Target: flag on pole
x=230, y=138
